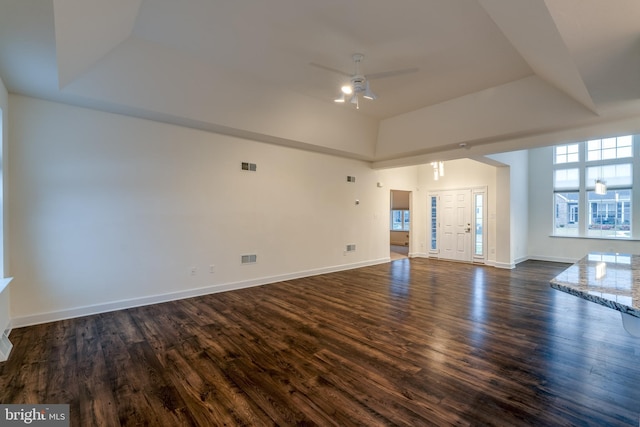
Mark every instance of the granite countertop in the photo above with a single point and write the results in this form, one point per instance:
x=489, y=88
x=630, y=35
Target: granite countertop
x=608, y=279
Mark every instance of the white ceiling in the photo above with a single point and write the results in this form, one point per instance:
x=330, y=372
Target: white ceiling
x=242, y=67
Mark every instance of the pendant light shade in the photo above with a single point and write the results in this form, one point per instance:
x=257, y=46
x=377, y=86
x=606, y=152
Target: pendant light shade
x=438, y=170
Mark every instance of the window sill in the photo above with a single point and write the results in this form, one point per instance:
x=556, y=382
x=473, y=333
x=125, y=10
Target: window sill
x=4, y=283
x=617, y=239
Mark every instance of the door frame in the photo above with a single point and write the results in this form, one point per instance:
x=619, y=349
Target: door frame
x=434, y=250
x=409, y=254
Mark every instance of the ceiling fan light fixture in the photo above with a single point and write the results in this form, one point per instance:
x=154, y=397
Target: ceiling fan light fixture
x=355, y=100
x=368, y=94
x=359, y=84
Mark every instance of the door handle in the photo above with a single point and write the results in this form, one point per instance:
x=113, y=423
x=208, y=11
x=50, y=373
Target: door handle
x=467, y=229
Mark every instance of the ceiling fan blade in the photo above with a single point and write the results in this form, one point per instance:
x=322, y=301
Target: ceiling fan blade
x=394, y=73
x=333, y=70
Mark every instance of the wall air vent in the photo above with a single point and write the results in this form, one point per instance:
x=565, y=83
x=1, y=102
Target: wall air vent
x=249, y=259
x=351, y=179
x=249, y=167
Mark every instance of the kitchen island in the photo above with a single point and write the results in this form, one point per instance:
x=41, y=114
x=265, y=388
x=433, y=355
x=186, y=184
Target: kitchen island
x=608, y=279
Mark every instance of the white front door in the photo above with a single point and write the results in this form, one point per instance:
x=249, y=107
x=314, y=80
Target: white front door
x=455, y=228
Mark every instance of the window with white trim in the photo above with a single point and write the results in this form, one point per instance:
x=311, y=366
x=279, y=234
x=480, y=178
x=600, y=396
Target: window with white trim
x=399, y=220
x=593, y=188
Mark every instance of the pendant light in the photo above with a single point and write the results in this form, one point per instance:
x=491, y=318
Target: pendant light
x=438, y=170
x=601, y=187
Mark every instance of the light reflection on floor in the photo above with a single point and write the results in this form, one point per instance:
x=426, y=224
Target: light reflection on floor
x=478, y=294
x=400, y=277
x=478, y=305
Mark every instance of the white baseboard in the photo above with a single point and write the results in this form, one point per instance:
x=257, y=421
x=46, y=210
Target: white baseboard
x=418, y=255
x=71, y=313
x=553, y=259
x=521, y=259
x=505, y=265
x=53, y=316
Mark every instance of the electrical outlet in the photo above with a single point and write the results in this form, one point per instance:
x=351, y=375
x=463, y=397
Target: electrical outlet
x=193, y=271
x=212, y=268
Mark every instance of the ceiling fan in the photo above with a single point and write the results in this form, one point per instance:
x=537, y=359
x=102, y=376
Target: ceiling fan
x=358, y=82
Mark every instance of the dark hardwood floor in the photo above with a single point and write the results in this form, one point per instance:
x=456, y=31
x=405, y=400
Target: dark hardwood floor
x=412, y=342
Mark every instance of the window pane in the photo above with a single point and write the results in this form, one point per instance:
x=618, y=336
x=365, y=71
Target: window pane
x=396, y=220
x=405, y=223
x=610, y=148
x=479, y=221
x=567, y=153
x=566, y=178
x=572, y=157
x=434, y=231
x=593, y=150
x=613, y=175
x=609, y=215
x=625, y=152
x=625, y=141
x=566, y=207
x=608, y=153
x=573, y=151
x=594, y=144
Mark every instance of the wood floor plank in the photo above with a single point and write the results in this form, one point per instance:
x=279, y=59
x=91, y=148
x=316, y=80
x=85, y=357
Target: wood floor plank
x=411, y=342
x=200, y=395
x=96, y=400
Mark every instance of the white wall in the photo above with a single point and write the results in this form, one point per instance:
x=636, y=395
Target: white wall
x=513, y=212
x=110, y=211
x=519, y=200
x=541, y=244
x=405, y=179
x=5, y=315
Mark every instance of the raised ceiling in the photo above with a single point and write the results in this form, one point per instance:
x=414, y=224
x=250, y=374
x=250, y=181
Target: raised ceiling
x=243, y=67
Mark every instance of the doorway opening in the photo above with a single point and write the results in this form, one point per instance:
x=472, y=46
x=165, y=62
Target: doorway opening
x=400, y=224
